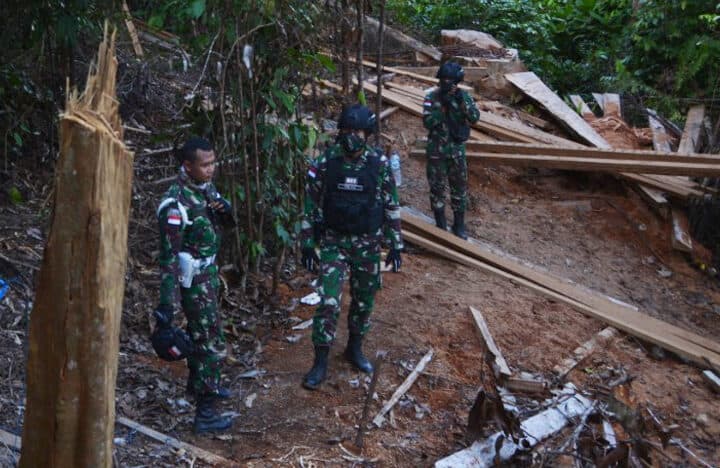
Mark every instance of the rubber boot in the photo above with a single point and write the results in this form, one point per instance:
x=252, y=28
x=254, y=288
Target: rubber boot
x=207, y=419
x=354, y=354
x=458, y=227
x=317, y=374
x=440, y=220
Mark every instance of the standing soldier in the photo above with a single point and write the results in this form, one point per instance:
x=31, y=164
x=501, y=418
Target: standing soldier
x=189, y=242
x=447, y=113
x=351, y=203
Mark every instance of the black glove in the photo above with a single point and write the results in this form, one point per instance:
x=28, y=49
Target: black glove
x=393, y=258
x=310, y=259
x=164, y=315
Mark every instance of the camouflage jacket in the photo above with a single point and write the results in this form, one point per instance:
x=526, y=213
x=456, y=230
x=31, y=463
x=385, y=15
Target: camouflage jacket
x=186, y=224
x=387, y=194
x=459, y=109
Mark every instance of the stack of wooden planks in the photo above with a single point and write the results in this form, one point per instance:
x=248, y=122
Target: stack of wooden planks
x=625, y=317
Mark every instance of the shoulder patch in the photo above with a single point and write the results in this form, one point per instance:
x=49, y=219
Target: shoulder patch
x=174, y=217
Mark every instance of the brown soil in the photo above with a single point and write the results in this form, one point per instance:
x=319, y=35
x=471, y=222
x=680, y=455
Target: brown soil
x=592, y=229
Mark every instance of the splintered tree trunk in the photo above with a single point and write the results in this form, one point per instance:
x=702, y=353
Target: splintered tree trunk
x=75, y=323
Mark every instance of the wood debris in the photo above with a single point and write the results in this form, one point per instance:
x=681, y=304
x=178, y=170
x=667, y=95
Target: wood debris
x=402, y=389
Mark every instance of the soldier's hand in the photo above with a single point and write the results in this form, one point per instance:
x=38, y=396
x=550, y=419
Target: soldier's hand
x=310, y=259
x=393, y=258
x=164, y=315
x=221, y=206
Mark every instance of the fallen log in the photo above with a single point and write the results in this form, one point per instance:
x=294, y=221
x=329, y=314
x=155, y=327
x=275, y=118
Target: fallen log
x=498, y=448
x=202, y=454
x=402, y=389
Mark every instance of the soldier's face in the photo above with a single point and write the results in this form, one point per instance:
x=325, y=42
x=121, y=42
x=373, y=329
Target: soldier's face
x=203, y=168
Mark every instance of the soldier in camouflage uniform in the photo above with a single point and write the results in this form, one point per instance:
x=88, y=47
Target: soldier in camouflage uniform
x=188, y=217
x=447, y=111
x=351, y=203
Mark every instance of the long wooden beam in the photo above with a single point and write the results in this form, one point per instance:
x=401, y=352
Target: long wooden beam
x=638, y=155
x=690, y=140
x=623, y=316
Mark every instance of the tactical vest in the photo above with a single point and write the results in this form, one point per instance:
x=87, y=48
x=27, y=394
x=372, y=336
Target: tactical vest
x=196, y=223
x=351, y=204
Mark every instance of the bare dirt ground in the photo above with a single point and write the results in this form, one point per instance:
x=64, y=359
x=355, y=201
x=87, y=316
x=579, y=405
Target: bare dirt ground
x=590, y=228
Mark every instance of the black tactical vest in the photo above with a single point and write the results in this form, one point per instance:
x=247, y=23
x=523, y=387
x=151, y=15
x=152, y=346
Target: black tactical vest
x=351, y=204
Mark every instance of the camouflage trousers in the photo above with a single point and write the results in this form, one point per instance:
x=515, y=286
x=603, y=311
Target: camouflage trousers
x=200, y=305
x=360, y=256
x=447, y=163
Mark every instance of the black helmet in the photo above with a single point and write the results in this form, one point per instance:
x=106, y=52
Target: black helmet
x=171, y=343
x=452, y=71
x=357, y=117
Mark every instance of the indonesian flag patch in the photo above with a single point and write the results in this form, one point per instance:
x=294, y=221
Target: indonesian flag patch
x=312, y=172
x=174, y=217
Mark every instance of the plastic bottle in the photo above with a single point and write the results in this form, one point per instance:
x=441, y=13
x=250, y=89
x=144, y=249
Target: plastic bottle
x=395, y=167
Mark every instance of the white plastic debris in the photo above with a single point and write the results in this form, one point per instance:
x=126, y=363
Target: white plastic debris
x=311, y=299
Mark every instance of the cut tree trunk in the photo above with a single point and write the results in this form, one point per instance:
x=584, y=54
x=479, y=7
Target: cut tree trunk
x=75, y=324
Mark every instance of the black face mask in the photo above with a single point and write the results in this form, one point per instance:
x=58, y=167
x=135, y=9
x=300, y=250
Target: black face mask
x=446, y=86
x=350, y=142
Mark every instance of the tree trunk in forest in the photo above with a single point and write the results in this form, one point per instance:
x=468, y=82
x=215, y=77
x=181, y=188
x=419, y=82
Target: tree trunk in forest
x=75, y=323
x=359, y=52
x=379, y=69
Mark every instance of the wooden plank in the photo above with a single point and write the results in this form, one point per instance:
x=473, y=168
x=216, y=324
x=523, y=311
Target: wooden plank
x=582, y=108
x=406, y=40
x=499, y=365
x=388, y=112
x=11, y=440
x=522, y=385
x=656, y=199
x=637, y=155
x=531, y=85
x=131, y=29
x=680, y=238
x=484, y=454
x=198, y=452
x=600, y=99
x=677, y=190
x=402, y=389
x=593, y=164
x=661, y=140
x=712, y=379
x=613, y=312
x=690, y=140
x=611, y=105
x=583, y=351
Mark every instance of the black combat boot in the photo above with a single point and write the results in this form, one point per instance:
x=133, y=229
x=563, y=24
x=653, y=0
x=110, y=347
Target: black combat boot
x=354, y=354
x=440, y=220
x=222, y=392
x=207, y=419
x=458, y=227
x=317, y=374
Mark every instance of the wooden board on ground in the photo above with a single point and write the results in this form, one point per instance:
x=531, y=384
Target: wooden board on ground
x=202, y=454
x=712, y=379
x=587, y=152
x=661, y=140
x=690, y=140
x=531, y=85
x=489, y=452
x=582, y=108
x=622, y=316
x=664, y=186
x=655, y=198
x=583, y=351
x=600, y=99
x=498, y=364
x=611, y=105
x=403, y=388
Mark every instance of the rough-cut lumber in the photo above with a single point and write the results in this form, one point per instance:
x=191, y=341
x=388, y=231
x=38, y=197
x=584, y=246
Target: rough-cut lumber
x=75, y=322
x=635, y=155
x=388, y=112
x=611, y=105
x=712, y=379
x=131, y=30
x=535, y=429
x=680, y=238
x=202, y=454
x=531, y=85
x=655, y=198
x=583, y=351
x=690, y=140
x=11, y=440
x=677, y=189
x=582, y=108
x=523, y=385
x=682, y=342
x=403, y=388
x=593, y=164
x=600, y=99
x=410, y=42
x=661, y=140
x=499, y=365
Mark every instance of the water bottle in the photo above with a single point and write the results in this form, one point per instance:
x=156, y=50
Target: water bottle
x=395, y=167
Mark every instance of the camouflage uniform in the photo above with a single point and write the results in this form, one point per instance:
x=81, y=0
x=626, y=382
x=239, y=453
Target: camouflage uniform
x=187, y=224
x=446, y=158
x=360, y=254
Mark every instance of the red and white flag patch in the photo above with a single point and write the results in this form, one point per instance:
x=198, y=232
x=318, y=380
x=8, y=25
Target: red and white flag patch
x=312, y=172
x=174, y=217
